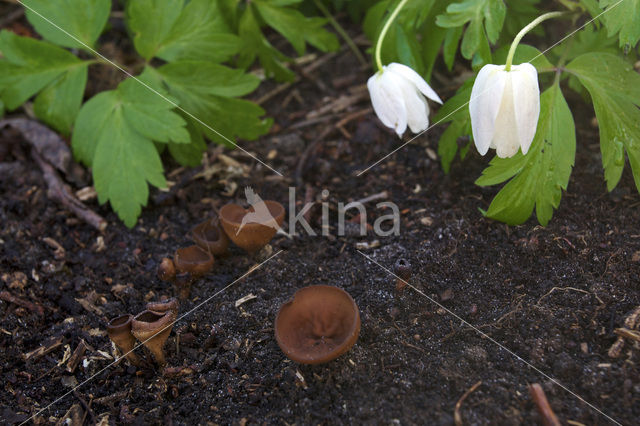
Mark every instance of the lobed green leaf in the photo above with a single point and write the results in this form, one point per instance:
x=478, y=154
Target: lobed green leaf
x=538, y=178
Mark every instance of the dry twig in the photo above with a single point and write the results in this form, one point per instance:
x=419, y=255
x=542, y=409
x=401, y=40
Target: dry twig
x=549, y=418
x=457, y=417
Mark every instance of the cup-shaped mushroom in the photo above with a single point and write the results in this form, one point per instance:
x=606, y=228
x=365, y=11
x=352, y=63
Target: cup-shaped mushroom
x=251, y=229
x=166, y=269
x=210, y=237
x=169, y=305
x=318, y=325
x=152, y=329
x=119, y=331
x=182, y=284
x=194, y=260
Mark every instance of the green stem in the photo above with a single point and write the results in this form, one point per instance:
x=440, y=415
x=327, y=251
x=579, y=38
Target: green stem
x=525, y=30
x=341, y=31
x=383, y=33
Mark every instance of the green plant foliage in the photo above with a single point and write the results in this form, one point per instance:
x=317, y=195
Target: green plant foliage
x=30, y=67
x=538, y=178
x=623, y=19
x=614, y=87
x=115, y=135
x=55, y=20
x=205, y=90
x=172, y=30
x=485, y=19
x=291, y=24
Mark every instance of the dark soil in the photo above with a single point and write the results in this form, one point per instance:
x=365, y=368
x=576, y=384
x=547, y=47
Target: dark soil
x=551, y=295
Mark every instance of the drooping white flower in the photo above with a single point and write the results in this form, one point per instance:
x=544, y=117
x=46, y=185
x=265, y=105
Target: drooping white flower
x=504, y=108
x=398, y=98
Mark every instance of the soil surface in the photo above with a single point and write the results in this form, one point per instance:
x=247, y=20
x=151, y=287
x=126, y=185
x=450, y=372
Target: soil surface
x=548, y=298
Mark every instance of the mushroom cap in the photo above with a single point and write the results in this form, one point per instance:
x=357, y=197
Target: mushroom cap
x=166, y=269
x=119, y=331
x=193, y=259
x=210, y=237
x=318, y=325
x=250, y=236
x=152, y=326
x=164, y=306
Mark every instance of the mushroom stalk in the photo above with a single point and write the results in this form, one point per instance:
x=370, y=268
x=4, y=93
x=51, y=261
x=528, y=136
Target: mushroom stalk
x=119, y=331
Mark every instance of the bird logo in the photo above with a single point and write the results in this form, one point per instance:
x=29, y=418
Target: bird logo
x=260, y=213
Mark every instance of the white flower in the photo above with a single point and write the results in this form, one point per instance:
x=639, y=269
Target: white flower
x=504, y=108
x=397, y=97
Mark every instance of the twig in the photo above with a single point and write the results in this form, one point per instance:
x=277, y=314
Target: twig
x=57, y=191
x=570, y=288
x=629, y=334
x=375, y=197
x=457, y=417
x=549, y=418
x=8, y=297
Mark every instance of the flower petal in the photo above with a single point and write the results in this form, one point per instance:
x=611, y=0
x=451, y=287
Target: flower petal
x=409, y=74
x=505, y=135
x=416, y=106
x=386, y=101
x=526, y=94
x=484, y=104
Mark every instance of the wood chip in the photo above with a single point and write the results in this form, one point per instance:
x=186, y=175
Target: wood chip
x=46, y=347
x=245, y=299
x=76, y=357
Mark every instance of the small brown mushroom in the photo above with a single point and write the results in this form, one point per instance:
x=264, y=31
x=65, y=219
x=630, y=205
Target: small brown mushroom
x=194, y=260
x=318, y=325
x=163, y=306
x=166, y=269
x=152, y=329
x=210, y=237
x=119, y=331
x=250, y=229
x=182, y=283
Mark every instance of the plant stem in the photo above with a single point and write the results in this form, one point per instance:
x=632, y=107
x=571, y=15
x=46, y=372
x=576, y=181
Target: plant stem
x=383, y=33
x=529, y=27
x=341, y=31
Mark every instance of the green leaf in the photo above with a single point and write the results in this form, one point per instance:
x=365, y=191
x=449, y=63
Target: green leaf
x=538, y=178
x=485, y=19
x=115, y=133
x=189, y=154
x=171, y=30
x=83, y=19
x=30, y=66
x=295, y=27
x=220, y=117
x=622, y=18
x=614, y=87
x=255, y=44
x=59, y=103
x=456, y=111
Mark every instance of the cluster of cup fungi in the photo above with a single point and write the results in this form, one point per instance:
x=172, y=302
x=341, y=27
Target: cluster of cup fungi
x=317, y=325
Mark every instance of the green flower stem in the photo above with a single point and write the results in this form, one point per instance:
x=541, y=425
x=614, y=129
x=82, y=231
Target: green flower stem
x=516, y=41
x=341, y=31
x=383, y=33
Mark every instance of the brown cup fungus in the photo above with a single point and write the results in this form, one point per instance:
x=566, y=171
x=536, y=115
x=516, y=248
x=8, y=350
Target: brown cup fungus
x=318, y=325
x=152, y=329
x=193, y=260
x=119, y=331
x=210, y=237
x=169, y=305
x=166, y=269
x=251, y=229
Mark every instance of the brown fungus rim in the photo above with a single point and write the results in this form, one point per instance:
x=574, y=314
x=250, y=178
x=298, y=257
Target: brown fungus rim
x=303, y=357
